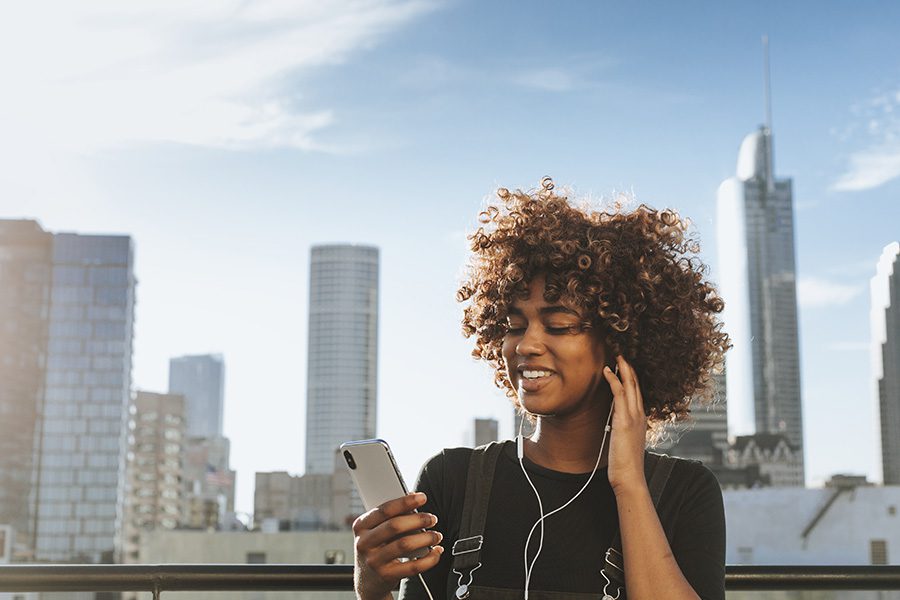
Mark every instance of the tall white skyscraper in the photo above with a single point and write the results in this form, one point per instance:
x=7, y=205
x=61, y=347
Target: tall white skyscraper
x=342, y=353
x=80, y=453
x=755, y=226
x=885, y=321
x=201, y=380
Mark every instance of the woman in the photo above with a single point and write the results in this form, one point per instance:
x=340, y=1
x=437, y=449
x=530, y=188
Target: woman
x=601, y=329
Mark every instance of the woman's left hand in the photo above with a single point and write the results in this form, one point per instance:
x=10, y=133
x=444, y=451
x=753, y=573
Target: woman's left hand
x=627, y=439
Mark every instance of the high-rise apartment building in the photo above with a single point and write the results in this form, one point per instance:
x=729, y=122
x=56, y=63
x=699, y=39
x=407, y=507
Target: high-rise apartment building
x=25, y=279
x=885, y=322
x=201, y=380
x=153, y=467
x=81, y=446
x=342, y=351
x=755, y=226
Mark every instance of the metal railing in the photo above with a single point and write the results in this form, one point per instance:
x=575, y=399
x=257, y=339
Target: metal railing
x=242, y=577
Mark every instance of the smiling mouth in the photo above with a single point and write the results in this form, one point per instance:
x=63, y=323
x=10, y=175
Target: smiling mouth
x=534, y=374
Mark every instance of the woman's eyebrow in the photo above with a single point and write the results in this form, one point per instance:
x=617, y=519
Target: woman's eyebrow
x=546, y=310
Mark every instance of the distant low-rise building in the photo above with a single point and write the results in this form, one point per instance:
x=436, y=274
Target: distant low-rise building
x=485, y=431
x=295, y=547
x=208, y=499
x=779, y=462
x=311, y=502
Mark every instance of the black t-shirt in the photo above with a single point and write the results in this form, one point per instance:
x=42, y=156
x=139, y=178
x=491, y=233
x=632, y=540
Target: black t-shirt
x=576, y=538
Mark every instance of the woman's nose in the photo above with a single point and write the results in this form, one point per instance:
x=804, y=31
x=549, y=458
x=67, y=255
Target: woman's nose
x=531, y=342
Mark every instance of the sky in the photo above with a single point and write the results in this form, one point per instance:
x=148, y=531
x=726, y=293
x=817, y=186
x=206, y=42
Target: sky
x=228, y=137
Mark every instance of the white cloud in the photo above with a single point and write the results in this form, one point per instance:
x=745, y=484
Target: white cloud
x=817, y=293
x=81, y=76
x=875, y=128
x=870, y=169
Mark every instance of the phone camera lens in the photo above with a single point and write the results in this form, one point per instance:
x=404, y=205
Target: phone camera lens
x=349, y=458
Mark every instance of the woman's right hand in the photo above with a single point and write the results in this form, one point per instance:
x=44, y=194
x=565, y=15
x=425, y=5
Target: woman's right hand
x=383, y=536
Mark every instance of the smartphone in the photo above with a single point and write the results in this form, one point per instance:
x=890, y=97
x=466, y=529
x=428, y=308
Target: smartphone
x=375, y=474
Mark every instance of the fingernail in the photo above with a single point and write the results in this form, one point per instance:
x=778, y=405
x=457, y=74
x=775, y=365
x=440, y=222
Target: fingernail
x=606, y=368
x=419, y=496
x=440, y=549
x=433, y=520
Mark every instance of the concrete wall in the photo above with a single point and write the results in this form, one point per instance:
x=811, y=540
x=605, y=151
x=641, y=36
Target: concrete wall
x=293, y=547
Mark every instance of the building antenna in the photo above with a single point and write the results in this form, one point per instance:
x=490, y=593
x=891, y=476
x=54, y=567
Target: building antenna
x=766, y=82
x=767, y=128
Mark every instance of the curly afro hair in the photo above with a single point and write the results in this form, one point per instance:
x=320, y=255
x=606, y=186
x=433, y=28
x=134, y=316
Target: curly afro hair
x=633, y=274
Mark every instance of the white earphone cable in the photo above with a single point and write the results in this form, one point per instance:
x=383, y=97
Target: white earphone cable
x=540, y=521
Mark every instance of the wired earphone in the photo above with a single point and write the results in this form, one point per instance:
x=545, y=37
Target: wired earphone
x=520, y=452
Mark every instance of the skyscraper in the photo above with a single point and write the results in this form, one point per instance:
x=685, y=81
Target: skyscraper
x=755, y=226
x=342, y=351
x=25, y=259
x=885, y=321
x=201, y=380
x=87, y=386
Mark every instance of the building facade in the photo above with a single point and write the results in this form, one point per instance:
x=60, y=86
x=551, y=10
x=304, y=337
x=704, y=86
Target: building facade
x=25, y=281
x=208, y=484
x=885, y=322
x=342, y=351
x=153, y=468
x=755, y=227
x=485, y=431
x=81, y=446
x=705, y=436
x=311, y=502
x=201, y=380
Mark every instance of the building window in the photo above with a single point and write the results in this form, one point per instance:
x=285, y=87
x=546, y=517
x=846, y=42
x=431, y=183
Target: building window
x=892, y=510
x=256, y=558
x=878, y=552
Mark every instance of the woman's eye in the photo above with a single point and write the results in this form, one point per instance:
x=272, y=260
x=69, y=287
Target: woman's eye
x=513, y=330
x=561, y=329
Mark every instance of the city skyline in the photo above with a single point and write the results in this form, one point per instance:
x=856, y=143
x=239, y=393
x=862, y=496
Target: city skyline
x=227, y=156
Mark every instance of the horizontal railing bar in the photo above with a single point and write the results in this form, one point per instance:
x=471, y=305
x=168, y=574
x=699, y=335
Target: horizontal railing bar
x=173, y=578
x=812, y=577
x=242, y=577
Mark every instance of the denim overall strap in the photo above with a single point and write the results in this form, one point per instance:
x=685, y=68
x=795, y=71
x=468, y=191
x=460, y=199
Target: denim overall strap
x=467, y=548
x=657, y=469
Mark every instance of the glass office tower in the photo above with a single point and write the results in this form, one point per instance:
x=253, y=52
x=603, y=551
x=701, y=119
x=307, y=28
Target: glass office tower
x=342, y=354
x=88, y=381
x=201, y=380
x=885, y=321
x=755, y=224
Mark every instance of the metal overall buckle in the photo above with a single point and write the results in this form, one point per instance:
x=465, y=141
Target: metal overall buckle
x=464, y=546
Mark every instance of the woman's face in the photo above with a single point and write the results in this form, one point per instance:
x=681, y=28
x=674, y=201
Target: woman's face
x=553, y=362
